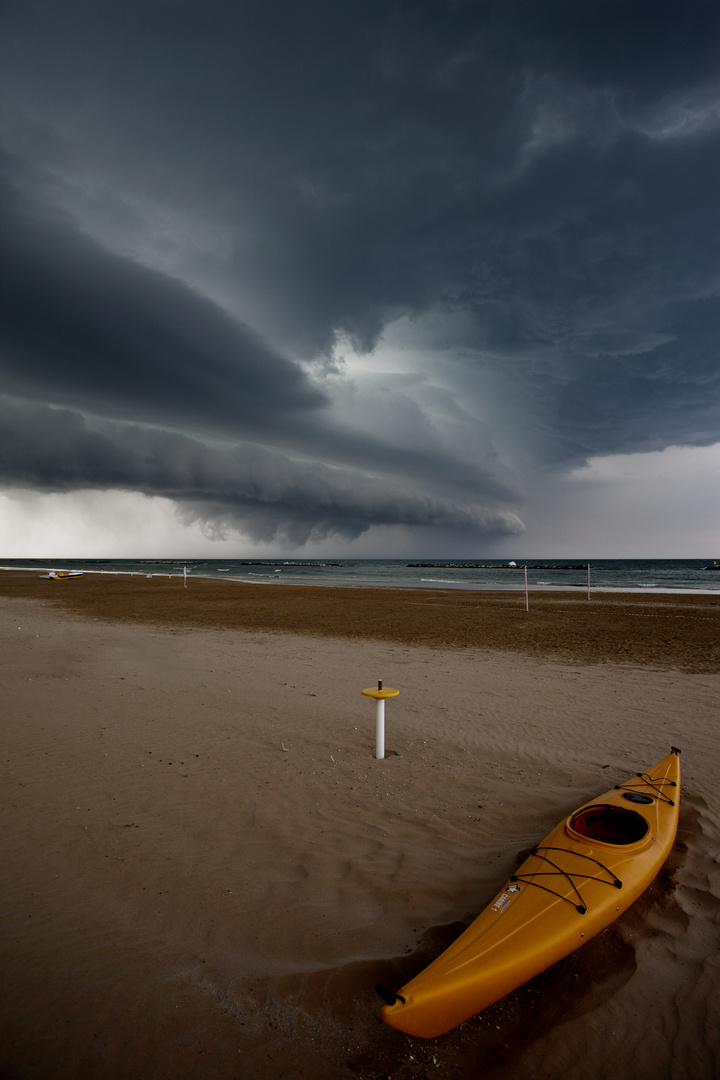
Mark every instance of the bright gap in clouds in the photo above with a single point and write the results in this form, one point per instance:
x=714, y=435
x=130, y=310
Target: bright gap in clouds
x=422, y=389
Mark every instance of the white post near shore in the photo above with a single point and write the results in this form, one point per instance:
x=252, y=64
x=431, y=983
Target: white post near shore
x=588, y=581
x=527, y=601
x=184, y=577
x=380, y=694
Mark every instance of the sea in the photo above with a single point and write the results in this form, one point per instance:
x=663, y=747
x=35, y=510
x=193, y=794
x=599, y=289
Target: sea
x=617, y=575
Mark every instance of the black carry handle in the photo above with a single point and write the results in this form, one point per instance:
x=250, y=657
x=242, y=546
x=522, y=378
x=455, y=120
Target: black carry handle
x=388, y=996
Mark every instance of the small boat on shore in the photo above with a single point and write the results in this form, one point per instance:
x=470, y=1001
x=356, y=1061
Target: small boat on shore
x=60, y=575
x=582, y=877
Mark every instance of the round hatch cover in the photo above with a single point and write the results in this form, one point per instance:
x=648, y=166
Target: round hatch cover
x=637, y=797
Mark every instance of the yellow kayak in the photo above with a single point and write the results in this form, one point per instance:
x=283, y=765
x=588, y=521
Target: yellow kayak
x=589, y=870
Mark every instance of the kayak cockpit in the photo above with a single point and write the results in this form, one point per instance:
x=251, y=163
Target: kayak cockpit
x=608, y=824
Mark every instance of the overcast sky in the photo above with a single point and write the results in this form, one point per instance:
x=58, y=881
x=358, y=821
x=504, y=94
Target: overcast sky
x=360, y=278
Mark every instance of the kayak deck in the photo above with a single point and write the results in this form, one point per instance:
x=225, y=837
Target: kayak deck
x=582, y=876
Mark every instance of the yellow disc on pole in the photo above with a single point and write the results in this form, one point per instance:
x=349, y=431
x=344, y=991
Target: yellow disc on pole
x=387, y=691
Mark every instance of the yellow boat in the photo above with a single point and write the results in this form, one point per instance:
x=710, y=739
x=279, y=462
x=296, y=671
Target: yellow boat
x=589, y=870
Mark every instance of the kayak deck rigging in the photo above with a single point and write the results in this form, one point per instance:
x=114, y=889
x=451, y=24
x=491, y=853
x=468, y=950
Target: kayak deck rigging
x=559, y=872
x=653, y=782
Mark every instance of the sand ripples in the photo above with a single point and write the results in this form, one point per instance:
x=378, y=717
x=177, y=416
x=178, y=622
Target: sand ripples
x=208, y=871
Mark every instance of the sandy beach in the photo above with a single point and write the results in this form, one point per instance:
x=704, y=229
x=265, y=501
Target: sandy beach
x=206, y=871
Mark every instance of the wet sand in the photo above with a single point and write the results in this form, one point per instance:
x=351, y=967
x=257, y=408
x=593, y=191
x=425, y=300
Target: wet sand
x=206, y=872
x=661, y=629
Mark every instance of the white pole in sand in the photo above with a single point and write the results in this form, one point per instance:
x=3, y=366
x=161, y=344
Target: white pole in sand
x=527, y=601
x=380, y=694
x=588, y=581
x=184, y=577
x=380, y=729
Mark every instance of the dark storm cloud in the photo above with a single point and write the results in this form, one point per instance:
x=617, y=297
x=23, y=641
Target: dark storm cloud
x=268, y=495
x=82, y=325
x=86, y=327
x=540, y=174
x=606, y=315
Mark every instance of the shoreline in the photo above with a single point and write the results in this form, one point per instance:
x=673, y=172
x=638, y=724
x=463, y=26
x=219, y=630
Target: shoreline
x=424, y=585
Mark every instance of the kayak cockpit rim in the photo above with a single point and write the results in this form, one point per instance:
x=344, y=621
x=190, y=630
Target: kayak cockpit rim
x=607, y=824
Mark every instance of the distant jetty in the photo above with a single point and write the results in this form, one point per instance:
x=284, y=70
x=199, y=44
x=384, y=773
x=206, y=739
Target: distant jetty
x=498, y=566
x=263, y=562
